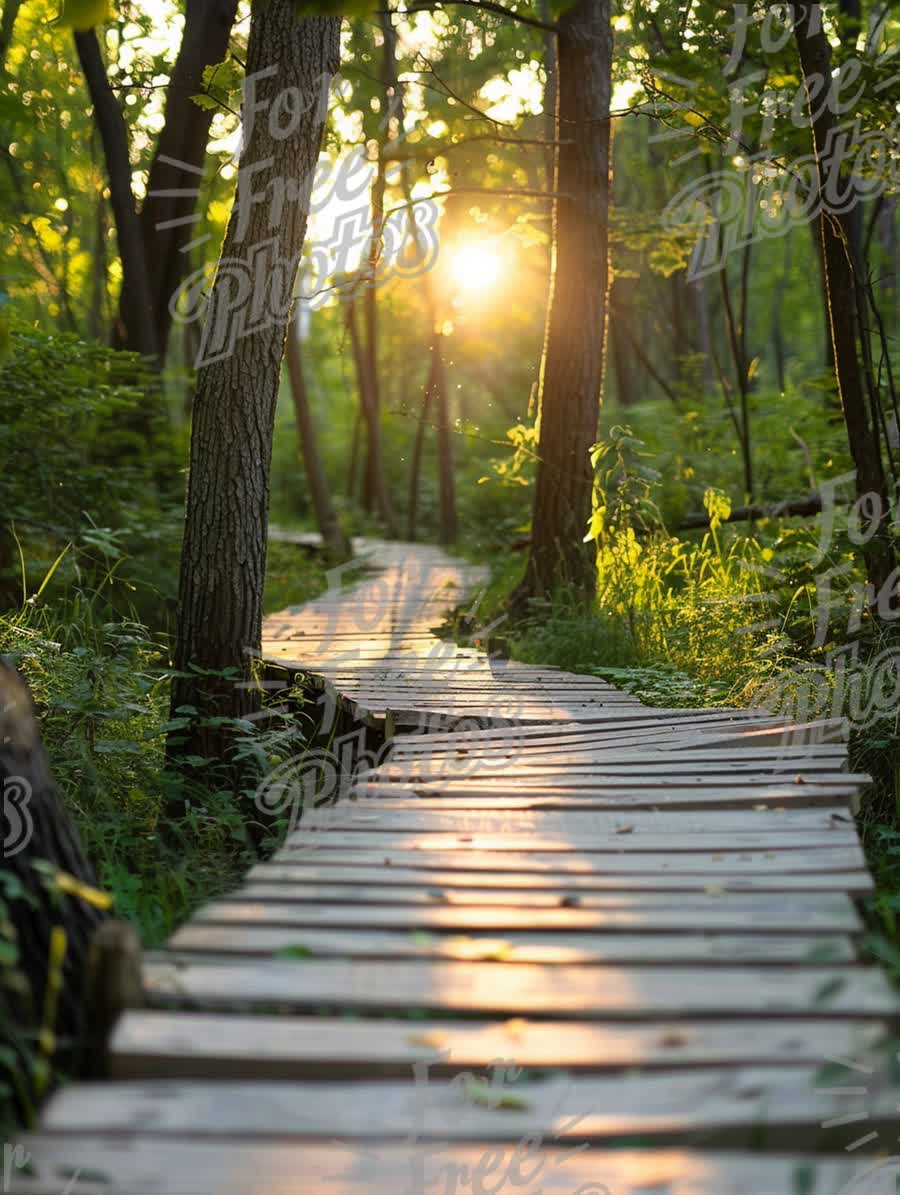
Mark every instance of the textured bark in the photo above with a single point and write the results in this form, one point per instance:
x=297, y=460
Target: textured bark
x=815, y=60
x=224, y=555
x=173, y=184
x=37, y=829
x=336, y=543
x=572, y=366
x=137, y=298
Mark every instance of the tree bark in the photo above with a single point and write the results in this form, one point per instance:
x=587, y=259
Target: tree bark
x=619, y=307
x=337, y=545
x=37, y=829
x=572, y=366
x=173, y=183
x=369, y=406
x=136, y=294
x=415, y=466
x=224, y=555
x=815, y=59
x=447, y=524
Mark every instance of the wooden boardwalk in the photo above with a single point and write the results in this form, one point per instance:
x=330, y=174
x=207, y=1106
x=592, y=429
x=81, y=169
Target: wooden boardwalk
x=553, y=941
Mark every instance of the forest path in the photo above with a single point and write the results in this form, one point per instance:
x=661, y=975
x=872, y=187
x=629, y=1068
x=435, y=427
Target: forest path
x=649, y=911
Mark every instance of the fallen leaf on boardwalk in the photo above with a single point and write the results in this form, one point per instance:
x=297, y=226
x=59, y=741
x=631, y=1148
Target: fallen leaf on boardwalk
x=487, y=1096
x=829, y=989
x=624, y=829
x=670, y=1040
x=516, y=1026
x=434, y=1039
x=714, y=890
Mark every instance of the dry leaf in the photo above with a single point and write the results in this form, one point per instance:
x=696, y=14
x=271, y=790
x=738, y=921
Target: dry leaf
x=433, y=1040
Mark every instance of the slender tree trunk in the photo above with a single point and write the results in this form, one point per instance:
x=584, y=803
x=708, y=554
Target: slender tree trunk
x=372, y=482
x=572, y=366
x=336, y=543
x=137, y=296
x=619, y=313
x=372, y=422
x=777, y=316
x=865, y=448
x=415, y=467
x=446, y=485
x=7, y=24
x=698, y=292
x=167, y=217
x=97, y=329
x=224, y=556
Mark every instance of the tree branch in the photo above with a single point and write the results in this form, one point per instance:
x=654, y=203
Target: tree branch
x=486, y=6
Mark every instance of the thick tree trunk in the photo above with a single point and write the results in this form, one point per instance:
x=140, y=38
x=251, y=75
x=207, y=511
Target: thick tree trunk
x=137, y=297
x=224, y=556
x=572, y=367
x=36, y=829
x=173, y=184
x=336, y=543
x=815, y=60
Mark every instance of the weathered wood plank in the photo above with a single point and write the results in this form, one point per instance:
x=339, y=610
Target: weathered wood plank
x=185, y=1045
x=643, y=912
x=785, y=1107
x=473, y=989
x=855, y=882
x=166, y=1166
x=545, y=869
x=513, y=948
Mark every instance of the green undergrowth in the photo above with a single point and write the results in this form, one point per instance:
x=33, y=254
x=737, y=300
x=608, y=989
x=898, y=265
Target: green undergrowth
x=771, y=614
x=101, y=685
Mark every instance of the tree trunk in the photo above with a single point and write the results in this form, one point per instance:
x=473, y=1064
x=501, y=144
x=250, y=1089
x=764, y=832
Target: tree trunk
x=136, y=294
x=173, y=185
x=572, y=366
x=619, y=314
x=447, y=525
x=223, y=561
x=336, y=543
x=415, y=467
x=36, y=828
x=369, y=407
x=815, y=60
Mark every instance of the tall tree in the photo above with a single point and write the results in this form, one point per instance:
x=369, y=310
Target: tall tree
x=173, y=183
x=337, y=545
x=572, y=366
x=224, y=555
x=137, y=297
x=840, y=284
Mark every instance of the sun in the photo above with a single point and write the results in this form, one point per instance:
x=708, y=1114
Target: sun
x=476, y=266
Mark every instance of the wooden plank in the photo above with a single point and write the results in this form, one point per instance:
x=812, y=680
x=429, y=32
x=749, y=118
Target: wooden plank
x=855, y=882
x=185, y=1045
x=627, y=838
x=547, y=869
x=781, y=1106
x=166, y=1166
x=643, y=912
x=486, y=989
x=562, y=949
x=438, y=818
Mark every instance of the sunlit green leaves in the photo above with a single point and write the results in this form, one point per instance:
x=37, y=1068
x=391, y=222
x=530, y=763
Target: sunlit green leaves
x=81, y=15
x=221, y=85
